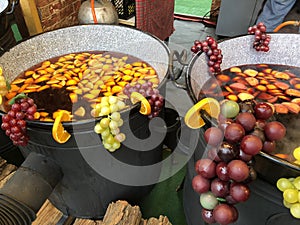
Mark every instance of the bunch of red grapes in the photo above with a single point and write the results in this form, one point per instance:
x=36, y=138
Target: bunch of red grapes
x=225, y=170
x=214, y=54
x=261, y=39
x=146, y=89
x=14, y=122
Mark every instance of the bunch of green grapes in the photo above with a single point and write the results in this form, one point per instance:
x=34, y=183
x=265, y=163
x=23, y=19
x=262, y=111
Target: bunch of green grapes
x=109, y=125
x=3, y=85
x=296, y=154
x=290, y=188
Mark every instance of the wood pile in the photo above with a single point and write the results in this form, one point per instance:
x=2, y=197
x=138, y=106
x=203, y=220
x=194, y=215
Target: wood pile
x=117, y=213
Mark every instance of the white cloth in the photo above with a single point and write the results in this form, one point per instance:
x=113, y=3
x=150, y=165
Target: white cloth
x=274, y=12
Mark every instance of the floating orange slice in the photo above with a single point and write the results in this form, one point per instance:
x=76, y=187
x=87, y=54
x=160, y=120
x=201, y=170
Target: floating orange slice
x=193, y=117
x=136, y=97
x=59, y=133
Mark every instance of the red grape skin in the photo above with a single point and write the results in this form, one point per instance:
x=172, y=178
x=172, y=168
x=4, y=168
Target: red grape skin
x=200, y=184
x=274, y=131
x=234, y=132
x=227, y=151
x=222, y=171
x=224, y=214
x=213, y=136
x=219, y=187
x=247, y=120
x=238, y=170
x=245, y=157
x=207, y=216
x=212, y=154
x=251, y=144
x=206, y=168
x=263, y=111
x=239, y=192
x=269, y=146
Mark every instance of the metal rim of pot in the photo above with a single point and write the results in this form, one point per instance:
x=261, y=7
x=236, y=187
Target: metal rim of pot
x=87, y=122
x=200, y=59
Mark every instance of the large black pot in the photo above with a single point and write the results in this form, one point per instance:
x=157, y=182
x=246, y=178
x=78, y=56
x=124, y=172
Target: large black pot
x=265, y=201
x=91, y=176
x=284, y=50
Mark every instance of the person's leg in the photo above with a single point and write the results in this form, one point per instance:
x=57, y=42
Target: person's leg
x=273, y=13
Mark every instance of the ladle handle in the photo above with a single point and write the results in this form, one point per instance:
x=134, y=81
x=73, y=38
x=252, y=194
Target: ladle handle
x=182, y=59
x=12, y=8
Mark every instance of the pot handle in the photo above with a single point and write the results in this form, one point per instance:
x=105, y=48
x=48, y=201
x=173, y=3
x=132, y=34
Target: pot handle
x=182, y=59
x=12, y=7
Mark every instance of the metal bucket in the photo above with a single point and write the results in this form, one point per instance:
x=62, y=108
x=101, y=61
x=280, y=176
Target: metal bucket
x=265, y=200
x=93, y=177
x=284, y=50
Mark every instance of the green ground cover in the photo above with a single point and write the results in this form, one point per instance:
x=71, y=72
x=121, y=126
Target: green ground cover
x=198, y=8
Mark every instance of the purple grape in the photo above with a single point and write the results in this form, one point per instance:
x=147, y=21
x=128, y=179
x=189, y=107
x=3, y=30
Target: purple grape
x=239, y=192
x=238, y=170
x=206, y=168
x=251, y=144
x=200, y=184
x=274, y=131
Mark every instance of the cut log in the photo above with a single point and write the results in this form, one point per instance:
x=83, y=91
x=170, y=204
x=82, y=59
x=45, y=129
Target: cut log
x=121, y=213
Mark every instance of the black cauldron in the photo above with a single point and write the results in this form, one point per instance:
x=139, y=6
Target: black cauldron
x=85, y=177
x=265, y=203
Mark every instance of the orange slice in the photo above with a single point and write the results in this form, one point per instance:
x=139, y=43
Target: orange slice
x=136, y=97
x=193, y=117
x=59, y=133
x=80, y=112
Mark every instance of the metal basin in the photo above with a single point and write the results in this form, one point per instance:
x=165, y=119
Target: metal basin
x=284, y=49
x=91, y=176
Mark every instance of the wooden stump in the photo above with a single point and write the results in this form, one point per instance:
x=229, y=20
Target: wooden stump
x=117, y=213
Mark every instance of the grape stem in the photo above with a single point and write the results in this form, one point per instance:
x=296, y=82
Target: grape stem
x=21, y=95
x=221, y=199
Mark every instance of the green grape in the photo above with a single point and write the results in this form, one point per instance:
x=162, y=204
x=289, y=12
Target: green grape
x=98, y=129
x=114, y=108
x=105, y=133
x=290, y=195
x=115, y=131
x=296, y=153
x=105, y=110
x=112, y=99
x=120, y=137
x=113, y=125
x=299, y=196
x=121, y=105
x=287, y=204
x=296, y=183
x=116, y=145
x=110, y=139
x=104, y=99
x=104, y=123
x=120, y=122
x=208, y=200
x=295, y=210
x=116, y=116
x=283, y=184
x=107, y=145
x=230, y=109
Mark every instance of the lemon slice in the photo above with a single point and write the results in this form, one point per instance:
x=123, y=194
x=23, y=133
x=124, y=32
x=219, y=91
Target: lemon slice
x=193, y=117
x=59, y=133
x=136, y=97
x=0, y=99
